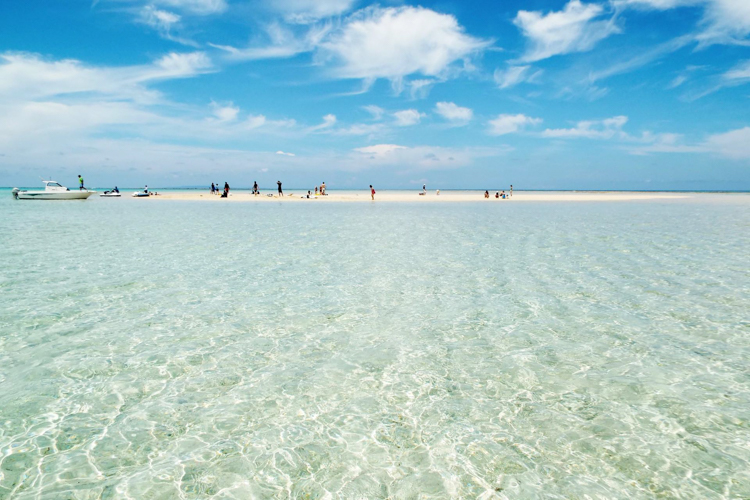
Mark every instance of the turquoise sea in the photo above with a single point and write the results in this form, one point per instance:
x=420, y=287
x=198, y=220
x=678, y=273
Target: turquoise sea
x=175, y=349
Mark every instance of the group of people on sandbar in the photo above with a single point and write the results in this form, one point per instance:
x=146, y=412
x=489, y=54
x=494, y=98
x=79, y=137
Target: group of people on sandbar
x=500, y=194
x=215, y=189
x=319, y=191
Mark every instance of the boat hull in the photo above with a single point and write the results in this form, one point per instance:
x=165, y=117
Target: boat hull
x=47, y=195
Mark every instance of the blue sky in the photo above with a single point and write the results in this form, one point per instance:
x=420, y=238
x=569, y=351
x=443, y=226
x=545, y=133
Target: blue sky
x=618, y=94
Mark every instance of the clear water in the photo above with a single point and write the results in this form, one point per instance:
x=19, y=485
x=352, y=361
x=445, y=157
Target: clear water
x=168, y=349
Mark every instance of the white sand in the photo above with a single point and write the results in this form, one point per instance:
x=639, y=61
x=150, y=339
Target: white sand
x=413, y=196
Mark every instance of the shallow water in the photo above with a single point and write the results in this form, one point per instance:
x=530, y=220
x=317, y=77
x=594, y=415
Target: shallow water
x=168, y=349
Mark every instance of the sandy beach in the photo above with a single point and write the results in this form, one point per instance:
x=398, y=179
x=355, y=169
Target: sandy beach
x=430, y=197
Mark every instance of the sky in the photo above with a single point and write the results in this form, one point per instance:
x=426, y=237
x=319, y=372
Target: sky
x=541, y=94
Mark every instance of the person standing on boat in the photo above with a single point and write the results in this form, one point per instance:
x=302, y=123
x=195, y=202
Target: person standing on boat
x=80, y=181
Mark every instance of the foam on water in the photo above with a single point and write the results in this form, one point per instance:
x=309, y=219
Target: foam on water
x=166, y=349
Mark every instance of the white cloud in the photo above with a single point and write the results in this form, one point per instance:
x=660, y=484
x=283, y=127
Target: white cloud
x=724, y=21
x=677, y=81
x=225, y=113
x=174, y=65
x=307, y=11
x=255, y=121
x=573, y=29
x=508, y=124
x=159, y=19
x=451, y=111
x=199, y=7
x=420, y=89
x=360, y=129
x=329, y=121
x=193, y=7
x=657, y=4
x=422, y=157
x=407, y=117
x=395, y=42
x=284, y=154
x=734, y=144
x=594, y=129
x=375, y=111
x=282, y=43
x=739, y=72
x=28, y=76
x=379, y=149
x=515, y=75
x=662, y=143
x=165, y=23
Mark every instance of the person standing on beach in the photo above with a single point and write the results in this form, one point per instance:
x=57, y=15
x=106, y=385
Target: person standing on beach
x=372, y=192
x=281, y=193
x=424, y=188
x=255, y=188
x=323, y=188
x=511, y=189
x=226, y=190
x=80, y=181
x=213, y=188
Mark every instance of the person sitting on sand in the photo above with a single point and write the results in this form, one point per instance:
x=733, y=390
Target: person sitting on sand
x=372, y=192
x=486, y=194
x=502, y=195
x=281, y=193
x=497, y=194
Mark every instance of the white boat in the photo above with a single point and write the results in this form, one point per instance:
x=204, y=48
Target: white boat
x=52, y=191
x=110, y=194
x=141, y=194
